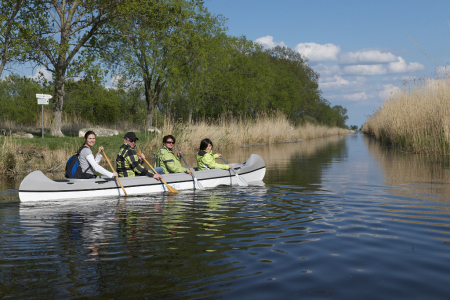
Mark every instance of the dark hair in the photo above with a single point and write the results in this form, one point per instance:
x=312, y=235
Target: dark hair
x=204, y=144
x=88, y=133
x=168, y=137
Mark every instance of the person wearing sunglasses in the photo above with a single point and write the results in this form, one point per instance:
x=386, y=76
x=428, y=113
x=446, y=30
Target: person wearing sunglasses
x=128, y=162
x=168, y=160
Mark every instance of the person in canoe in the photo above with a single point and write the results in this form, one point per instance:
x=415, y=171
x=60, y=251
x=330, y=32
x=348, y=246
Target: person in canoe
x=206, y=159
x=167, y=160
x=128, y=162
x=88, y=163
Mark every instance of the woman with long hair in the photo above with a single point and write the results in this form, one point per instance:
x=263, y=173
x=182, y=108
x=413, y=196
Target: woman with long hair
x=88, y=163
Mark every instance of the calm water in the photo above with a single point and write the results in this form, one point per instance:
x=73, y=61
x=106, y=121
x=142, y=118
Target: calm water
x=337, y=218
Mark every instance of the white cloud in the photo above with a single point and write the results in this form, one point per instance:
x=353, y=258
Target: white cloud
x=402, y=67
x=366, y=57
x=335, y=81
x=355, y=96
x=388, y=91
x=366, y=70
x=47, y=75
x=326, y=70
x=443, y=71
x=268, y=43
x=317, y=52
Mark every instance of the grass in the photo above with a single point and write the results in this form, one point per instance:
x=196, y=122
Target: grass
x=416, y=118
x=50, y=154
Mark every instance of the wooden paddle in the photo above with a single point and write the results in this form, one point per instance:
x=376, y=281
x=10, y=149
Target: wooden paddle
x=110, y=165
x=171, y=189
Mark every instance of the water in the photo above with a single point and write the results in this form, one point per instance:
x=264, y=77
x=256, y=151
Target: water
x=337, y=218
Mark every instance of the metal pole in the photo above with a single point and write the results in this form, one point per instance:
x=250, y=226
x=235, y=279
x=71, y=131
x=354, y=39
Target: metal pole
x=42, y=121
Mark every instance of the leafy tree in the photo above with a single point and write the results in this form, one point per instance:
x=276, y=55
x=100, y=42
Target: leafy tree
x=155, y=41
x=295, y=90
x=10, y=20
x=341, y=115
x=56, y=31
x=18, y=95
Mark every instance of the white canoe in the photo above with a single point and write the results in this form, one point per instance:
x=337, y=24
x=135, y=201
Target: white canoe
x=38, y=187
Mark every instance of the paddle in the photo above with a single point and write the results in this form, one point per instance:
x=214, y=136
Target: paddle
x=118, y=180
x=197, y=184
x=171, y=189
x=241, y=180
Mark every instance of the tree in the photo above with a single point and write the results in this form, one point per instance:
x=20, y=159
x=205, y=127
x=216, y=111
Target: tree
x=296, y=89
x=10, y=20
x=57, y=31
x=341, y=115
x=154, y=41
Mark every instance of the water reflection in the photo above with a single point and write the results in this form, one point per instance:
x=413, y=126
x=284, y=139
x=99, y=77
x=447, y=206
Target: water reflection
x=411, y=175
x=329, y=221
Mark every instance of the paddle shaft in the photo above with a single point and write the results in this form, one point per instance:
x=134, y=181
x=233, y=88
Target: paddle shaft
x=171, y=189
x=118, y=180
x=241, y=180
x=193, y=177
x=227, y=164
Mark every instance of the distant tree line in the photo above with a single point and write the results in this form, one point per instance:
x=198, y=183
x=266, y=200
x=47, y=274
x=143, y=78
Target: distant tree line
x=169, y=57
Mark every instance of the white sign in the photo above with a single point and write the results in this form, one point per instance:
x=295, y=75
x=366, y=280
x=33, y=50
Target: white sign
x=44, y=96
x=43, y=101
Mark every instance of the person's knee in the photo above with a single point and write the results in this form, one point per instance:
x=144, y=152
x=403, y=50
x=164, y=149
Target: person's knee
x=159, y=170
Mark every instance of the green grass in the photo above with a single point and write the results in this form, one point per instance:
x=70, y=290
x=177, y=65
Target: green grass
x=110, y=143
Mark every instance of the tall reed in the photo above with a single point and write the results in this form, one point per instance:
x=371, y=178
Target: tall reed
x=226, y=133
x=416, y=118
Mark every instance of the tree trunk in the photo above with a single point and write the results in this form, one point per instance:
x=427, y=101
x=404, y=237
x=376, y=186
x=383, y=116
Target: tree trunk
x=150, y=107
x=58, y=105
x=190, y=115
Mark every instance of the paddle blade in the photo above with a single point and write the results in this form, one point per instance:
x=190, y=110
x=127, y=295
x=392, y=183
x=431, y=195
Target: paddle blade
x=198, y=185
x=171, y=189
x=241, y=180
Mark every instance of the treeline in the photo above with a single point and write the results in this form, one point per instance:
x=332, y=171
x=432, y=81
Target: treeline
x=169, y=58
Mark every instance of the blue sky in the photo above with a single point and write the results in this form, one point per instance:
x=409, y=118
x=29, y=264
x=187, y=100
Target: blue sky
x=359, y=48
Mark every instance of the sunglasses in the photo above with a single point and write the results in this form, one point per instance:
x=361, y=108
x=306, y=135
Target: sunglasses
x=170, y=142
x=132, y=141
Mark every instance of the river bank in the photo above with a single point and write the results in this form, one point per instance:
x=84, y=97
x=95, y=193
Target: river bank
x=415, y=118
x=50, y=154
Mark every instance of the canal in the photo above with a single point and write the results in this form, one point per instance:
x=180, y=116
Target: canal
x=336, y=218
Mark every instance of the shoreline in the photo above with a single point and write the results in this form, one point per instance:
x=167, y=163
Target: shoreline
x=22, y=156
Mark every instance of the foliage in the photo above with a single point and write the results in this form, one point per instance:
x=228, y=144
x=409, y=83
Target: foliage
x=11, y=20
x=18, y=99
x=169, y=58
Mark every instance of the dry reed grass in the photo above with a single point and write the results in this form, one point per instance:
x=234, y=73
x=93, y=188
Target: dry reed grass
x=416, y=117
x=229, y=132
x=226, y=133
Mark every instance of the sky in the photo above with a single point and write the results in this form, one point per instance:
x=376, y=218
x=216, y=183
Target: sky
x=361, y=49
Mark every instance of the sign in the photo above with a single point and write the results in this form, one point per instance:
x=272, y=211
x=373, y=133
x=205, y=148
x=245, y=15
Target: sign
x=44, y=96
x=43, y=101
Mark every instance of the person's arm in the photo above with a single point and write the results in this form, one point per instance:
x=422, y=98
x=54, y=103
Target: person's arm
x=97, y=167
x=133, y=160
x=98, y=158
x=210, y=161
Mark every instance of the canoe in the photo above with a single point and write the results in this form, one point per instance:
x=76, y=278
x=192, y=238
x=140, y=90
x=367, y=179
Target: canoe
x=38, y=187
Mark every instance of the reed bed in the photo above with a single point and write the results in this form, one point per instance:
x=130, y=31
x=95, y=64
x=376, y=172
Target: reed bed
x=415, y=118
x=228, y=133
x=20, y=157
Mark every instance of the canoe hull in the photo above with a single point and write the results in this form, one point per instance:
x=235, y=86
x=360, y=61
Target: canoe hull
x=38, y=187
